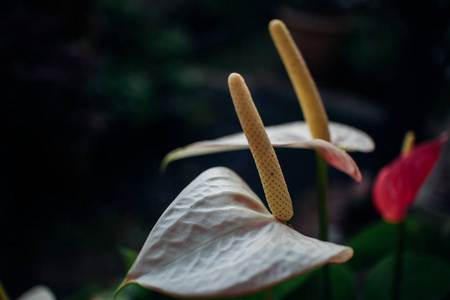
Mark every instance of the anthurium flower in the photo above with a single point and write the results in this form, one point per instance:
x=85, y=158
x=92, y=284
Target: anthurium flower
x=291, y=135
x=316, y=133
x=398, y=183
x=218, y=239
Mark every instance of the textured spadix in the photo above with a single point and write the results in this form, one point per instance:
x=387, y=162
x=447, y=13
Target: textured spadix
x=304, y=85
x=218, y=239
x=269, y=169
x=292, y=135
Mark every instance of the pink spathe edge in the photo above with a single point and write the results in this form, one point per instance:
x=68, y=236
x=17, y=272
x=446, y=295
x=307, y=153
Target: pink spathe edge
x=335, y=156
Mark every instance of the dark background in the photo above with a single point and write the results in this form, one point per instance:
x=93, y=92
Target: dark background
x=95, y=93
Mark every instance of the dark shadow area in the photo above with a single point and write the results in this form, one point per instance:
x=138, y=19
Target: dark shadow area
x=95, y=93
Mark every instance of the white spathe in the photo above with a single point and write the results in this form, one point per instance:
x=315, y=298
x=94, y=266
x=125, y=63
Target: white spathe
x=217, y=239
x=39, y=292
x=292, y=135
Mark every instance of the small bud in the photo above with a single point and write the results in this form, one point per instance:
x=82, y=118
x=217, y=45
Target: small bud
x=266, y=160
x=304, y=85
x=408, y=142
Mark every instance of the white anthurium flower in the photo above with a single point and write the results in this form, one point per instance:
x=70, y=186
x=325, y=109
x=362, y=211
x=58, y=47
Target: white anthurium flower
x=217, y=239
x=291, y=135
x=328, y=138
x=39, y=292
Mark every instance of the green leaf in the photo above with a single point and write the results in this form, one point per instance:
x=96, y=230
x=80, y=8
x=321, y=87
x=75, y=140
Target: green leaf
x=379, y=239
x=423, y=237
x=284, y=289
x=424, y=277
x=96, y=291
x=371, y=244
x=343, y=286
x=128, y=256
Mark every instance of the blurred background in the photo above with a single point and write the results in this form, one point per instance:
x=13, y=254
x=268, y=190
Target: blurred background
x=95, y=93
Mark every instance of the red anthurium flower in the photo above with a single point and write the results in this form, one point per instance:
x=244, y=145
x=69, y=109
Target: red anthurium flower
x=398, y=183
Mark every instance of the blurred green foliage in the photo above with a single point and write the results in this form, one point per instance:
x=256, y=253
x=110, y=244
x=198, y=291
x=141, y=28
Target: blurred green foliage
x=139, y=62
x=158, y=80
x=379, y=239
x=424, y=277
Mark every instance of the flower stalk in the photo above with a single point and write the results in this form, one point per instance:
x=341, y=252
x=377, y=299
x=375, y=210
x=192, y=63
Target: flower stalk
x=322, y=196
x=407, y=146
x=397, y=282
x=322, y=207
x=268, y=294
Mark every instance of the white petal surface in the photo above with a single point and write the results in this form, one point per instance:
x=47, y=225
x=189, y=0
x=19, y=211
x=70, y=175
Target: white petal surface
x=350, y=138
x=218, y=239
x=292, y=135
x=38, y=292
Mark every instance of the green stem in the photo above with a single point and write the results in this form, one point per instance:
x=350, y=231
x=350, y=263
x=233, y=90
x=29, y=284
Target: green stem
x=268, y=294
x=326, y=282
x=322, y=207
x=396, y=287
x=446, y=228
x=322, y=196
